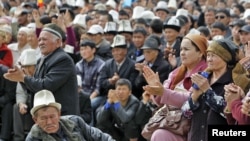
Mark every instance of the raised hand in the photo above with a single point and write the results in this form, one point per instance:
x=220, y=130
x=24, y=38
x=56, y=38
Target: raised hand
x=60, y=22
x=247, y=49
x=36, y=17
x=67, y=18
x=151, y=77
x=16, y=74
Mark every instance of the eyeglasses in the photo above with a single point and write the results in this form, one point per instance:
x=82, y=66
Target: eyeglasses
x=221, y=17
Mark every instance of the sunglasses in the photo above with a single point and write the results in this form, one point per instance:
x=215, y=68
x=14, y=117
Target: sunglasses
x=221, y=17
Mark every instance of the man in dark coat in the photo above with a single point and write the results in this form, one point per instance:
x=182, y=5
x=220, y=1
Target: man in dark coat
x=7, y=99
x=55, y=71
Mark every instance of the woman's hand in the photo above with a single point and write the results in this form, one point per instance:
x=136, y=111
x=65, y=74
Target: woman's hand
x=151, y=77
x=200, y=81
x=156, y=89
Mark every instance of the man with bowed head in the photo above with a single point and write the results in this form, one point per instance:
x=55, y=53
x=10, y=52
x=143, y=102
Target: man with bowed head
x=51, y=126
x=55, y=71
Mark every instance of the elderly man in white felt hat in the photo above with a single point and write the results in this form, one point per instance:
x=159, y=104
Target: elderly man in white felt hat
x=24, y=99
x=50, y=125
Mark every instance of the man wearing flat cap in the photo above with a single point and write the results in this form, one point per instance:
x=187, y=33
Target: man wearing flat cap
x=55, y=71
x=154, y=59
x=51, y=126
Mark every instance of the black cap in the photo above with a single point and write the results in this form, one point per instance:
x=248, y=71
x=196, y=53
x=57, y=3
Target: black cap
x=70, y=9
x=219, y=25
x=245, y=28
x=24, y=11
x=27, y=5
x=239, y=23
x=88, y=42
x=45, y=19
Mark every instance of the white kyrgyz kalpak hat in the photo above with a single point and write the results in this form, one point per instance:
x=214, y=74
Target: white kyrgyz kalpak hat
x=161, y=5
x=111, y=3
x=119, y=41
x=246, y=14
x=80, y=19
x=137, y=11
x=100, y=7
x=125, y=26
x=28, y=57
x=148, y=15
x=182, y=11
x=172, y=4
x=44, y=98
x=114, y=14
x=110, y=27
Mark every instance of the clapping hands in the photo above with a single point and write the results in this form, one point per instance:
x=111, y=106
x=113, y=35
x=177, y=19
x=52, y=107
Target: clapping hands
x=154, y=85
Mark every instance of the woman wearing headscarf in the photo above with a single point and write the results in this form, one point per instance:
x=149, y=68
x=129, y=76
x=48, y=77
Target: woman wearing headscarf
x=193, y=55
x=205, y=105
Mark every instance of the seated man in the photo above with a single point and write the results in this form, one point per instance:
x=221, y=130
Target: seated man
x=84, y=102
x=7, y=99
x=24, y=99
x=51, y=126
x=117, y=116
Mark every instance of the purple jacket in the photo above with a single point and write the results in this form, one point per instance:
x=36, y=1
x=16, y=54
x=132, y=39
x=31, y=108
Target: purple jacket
x=236, y=116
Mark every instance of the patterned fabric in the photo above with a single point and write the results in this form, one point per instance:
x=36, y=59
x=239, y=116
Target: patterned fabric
x=215, y=102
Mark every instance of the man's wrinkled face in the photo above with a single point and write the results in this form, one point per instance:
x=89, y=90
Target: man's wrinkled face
x=47, y=42
x=119, y=54
x=47, y=118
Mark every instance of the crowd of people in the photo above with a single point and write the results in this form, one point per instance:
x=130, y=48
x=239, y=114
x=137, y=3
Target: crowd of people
x=99, y=69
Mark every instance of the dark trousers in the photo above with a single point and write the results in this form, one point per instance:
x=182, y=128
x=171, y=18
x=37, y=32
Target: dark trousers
x=6, y=120
x=21, y=124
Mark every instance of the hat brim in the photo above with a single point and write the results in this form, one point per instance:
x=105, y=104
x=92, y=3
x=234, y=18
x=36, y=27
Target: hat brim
x=177, y=28
x=147, y=47
x=161, y=9
x=35, y=108
x=244, y=30
x=118, y=46
x=93, y=33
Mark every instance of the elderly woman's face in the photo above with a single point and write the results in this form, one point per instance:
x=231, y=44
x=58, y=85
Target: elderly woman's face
x=189, y=54
x=215, y=62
